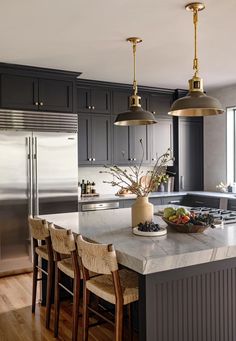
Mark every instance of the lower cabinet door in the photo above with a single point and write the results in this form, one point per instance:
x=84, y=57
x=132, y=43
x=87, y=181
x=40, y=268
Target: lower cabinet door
x=101, y=139
x=84, y=140
x=162, y=138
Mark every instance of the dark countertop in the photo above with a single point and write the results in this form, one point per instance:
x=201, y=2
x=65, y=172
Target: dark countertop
x=113, y=197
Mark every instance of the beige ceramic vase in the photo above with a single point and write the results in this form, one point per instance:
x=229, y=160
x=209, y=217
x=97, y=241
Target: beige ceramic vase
x=142, y=211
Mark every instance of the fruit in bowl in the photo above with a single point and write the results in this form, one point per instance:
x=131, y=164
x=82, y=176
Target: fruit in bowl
x=186, y=221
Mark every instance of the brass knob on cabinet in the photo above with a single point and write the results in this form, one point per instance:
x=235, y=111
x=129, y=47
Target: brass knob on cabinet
x=93, y=107
x=153, y=112
x=36, y=103
x=89, y=107
x=41, y=103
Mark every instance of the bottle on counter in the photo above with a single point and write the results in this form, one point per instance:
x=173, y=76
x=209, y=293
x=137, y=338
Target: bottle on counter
x=93, y=190
x=83, y=187
x=88, y=187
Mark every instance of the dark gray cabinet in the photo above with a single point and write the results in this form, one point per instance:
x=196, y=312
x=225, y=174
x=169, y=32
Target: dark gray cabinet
x=161, y=138
x=159, y=103
x=193, y=200
x=94, y=139
x=127, y=148
x=190, y=154
x=32, y=93
x=93, y=100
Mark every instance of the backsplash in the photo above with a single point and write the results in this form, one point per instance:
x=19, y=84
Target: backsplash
x=92, y=174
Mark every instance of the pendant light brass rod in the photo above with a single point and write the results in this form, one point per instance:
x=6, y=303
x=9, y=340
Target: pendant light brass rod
x=195, y=61
x=135, y=85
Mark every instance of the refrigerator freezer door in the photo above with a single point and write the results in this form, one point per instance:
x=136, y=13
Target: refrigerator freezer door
x=55, y=173
x=15, y=188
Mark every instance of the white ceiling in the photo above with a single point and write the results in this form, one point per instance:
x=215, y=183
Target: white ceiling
x=89, y=36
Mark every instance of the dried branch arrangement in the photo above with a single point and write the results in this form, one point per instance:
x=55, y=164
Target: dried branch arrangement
x=135, y=180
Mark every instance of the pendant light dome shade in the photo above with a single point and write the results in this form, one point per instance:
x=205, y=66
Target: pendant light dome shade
x=196, y=103
x=135, y=115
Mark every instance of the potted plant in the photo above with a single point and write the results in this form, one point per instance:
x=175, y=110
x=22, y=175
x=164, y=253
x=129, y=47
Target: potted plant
x=141, y=183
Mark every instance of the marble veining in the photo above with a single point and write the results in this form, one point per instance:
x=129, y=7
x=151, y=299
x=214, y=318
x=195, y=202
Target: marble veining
x=148, y=255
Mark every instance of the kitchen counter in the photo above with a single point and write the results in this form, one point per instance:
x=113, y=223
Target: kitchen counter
x=148, y=255
x=113, y=197
x=187, y=282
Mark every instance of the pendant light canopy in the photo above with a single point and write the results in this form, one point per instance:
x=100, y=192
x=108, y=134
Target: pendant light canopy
x=196, y=103
x=135, y=115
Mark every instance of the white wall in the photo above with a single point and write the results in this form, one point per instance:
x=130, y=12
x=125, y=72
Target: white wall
x=215, y=140
x=92, y=174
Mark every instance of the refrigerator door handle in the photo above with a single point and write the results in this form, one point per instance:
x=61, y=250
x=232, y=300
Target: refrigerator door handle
x=29, y=175
x=35, y=170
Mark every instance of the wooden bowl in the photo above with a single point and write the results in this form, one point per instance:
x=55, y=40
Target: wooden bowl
x=186, y=228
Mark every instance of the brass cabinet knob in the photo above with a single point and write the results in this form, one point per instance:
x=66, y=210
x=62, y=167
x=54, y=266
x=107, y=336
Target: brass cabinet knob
x=153, y=112
x=41, y=103
x=89, y=107
x=93, y=107
x=36, y=103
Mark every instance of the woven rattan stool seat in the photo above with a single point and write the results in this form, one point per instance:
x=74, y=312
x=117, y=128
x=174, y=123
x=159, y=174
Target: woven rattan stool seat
x=42, y=251
x=103, y=286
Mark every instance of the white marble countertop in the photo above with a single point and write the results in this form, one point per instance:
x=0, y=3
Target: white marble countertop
x=113, y=197
x=148, y=255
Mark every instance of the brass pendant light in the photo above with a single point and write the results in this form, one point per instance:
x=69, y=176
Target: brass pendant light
x=135, y=115
x=196, y=103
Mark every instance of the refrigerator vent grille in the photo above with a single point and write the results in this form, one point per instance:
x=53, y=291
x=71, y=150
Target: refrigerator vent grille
x=38, y=121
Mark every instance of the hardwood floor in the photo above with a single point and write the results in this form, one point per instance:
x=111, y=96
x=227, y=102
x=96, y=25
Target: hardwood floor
x=17, y=323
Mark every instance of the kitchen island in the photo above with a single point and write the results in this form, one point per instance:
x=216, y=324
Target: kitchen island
x=187, y=282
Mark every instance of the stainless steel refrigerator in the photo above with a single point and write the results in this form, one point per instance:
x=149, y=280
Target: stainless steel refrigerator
x=38, y=175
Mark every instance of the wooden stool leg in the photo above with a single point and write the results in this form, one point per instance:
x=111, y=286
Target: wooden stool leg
x=130, y=322
x=35, y=276
x=57, y=300
x=49, y=292
x=86, y=295
x=118, y=321
x=76, y=291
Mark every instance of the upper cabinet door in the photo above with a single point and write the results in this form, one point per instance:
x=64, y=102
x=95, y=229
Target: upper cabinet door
x=19, y=92
x=101, y=139
x=83, y=99
x=55, y=95
x=100, y=101
x=160, y=103
x=120, y=101
x=162, y=138
x=93, y=100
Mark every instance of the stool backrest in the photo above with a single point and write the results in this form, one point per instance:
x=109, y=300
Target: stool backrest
x=99, y=258
x=63, y=241
x=38, y=228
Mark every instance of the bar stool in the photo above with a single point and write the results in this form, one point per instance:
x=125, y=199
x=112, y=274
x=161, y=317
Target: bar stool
x=40, y=232
x=63, y=243
x=119, y=287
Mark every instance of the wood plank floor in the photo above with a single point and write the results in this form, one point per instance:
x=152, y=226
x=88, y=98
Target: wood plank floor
x=17, y=323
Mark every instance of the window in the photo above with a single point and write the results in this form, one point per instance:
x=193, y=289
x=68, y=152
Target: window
x=231, y=145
